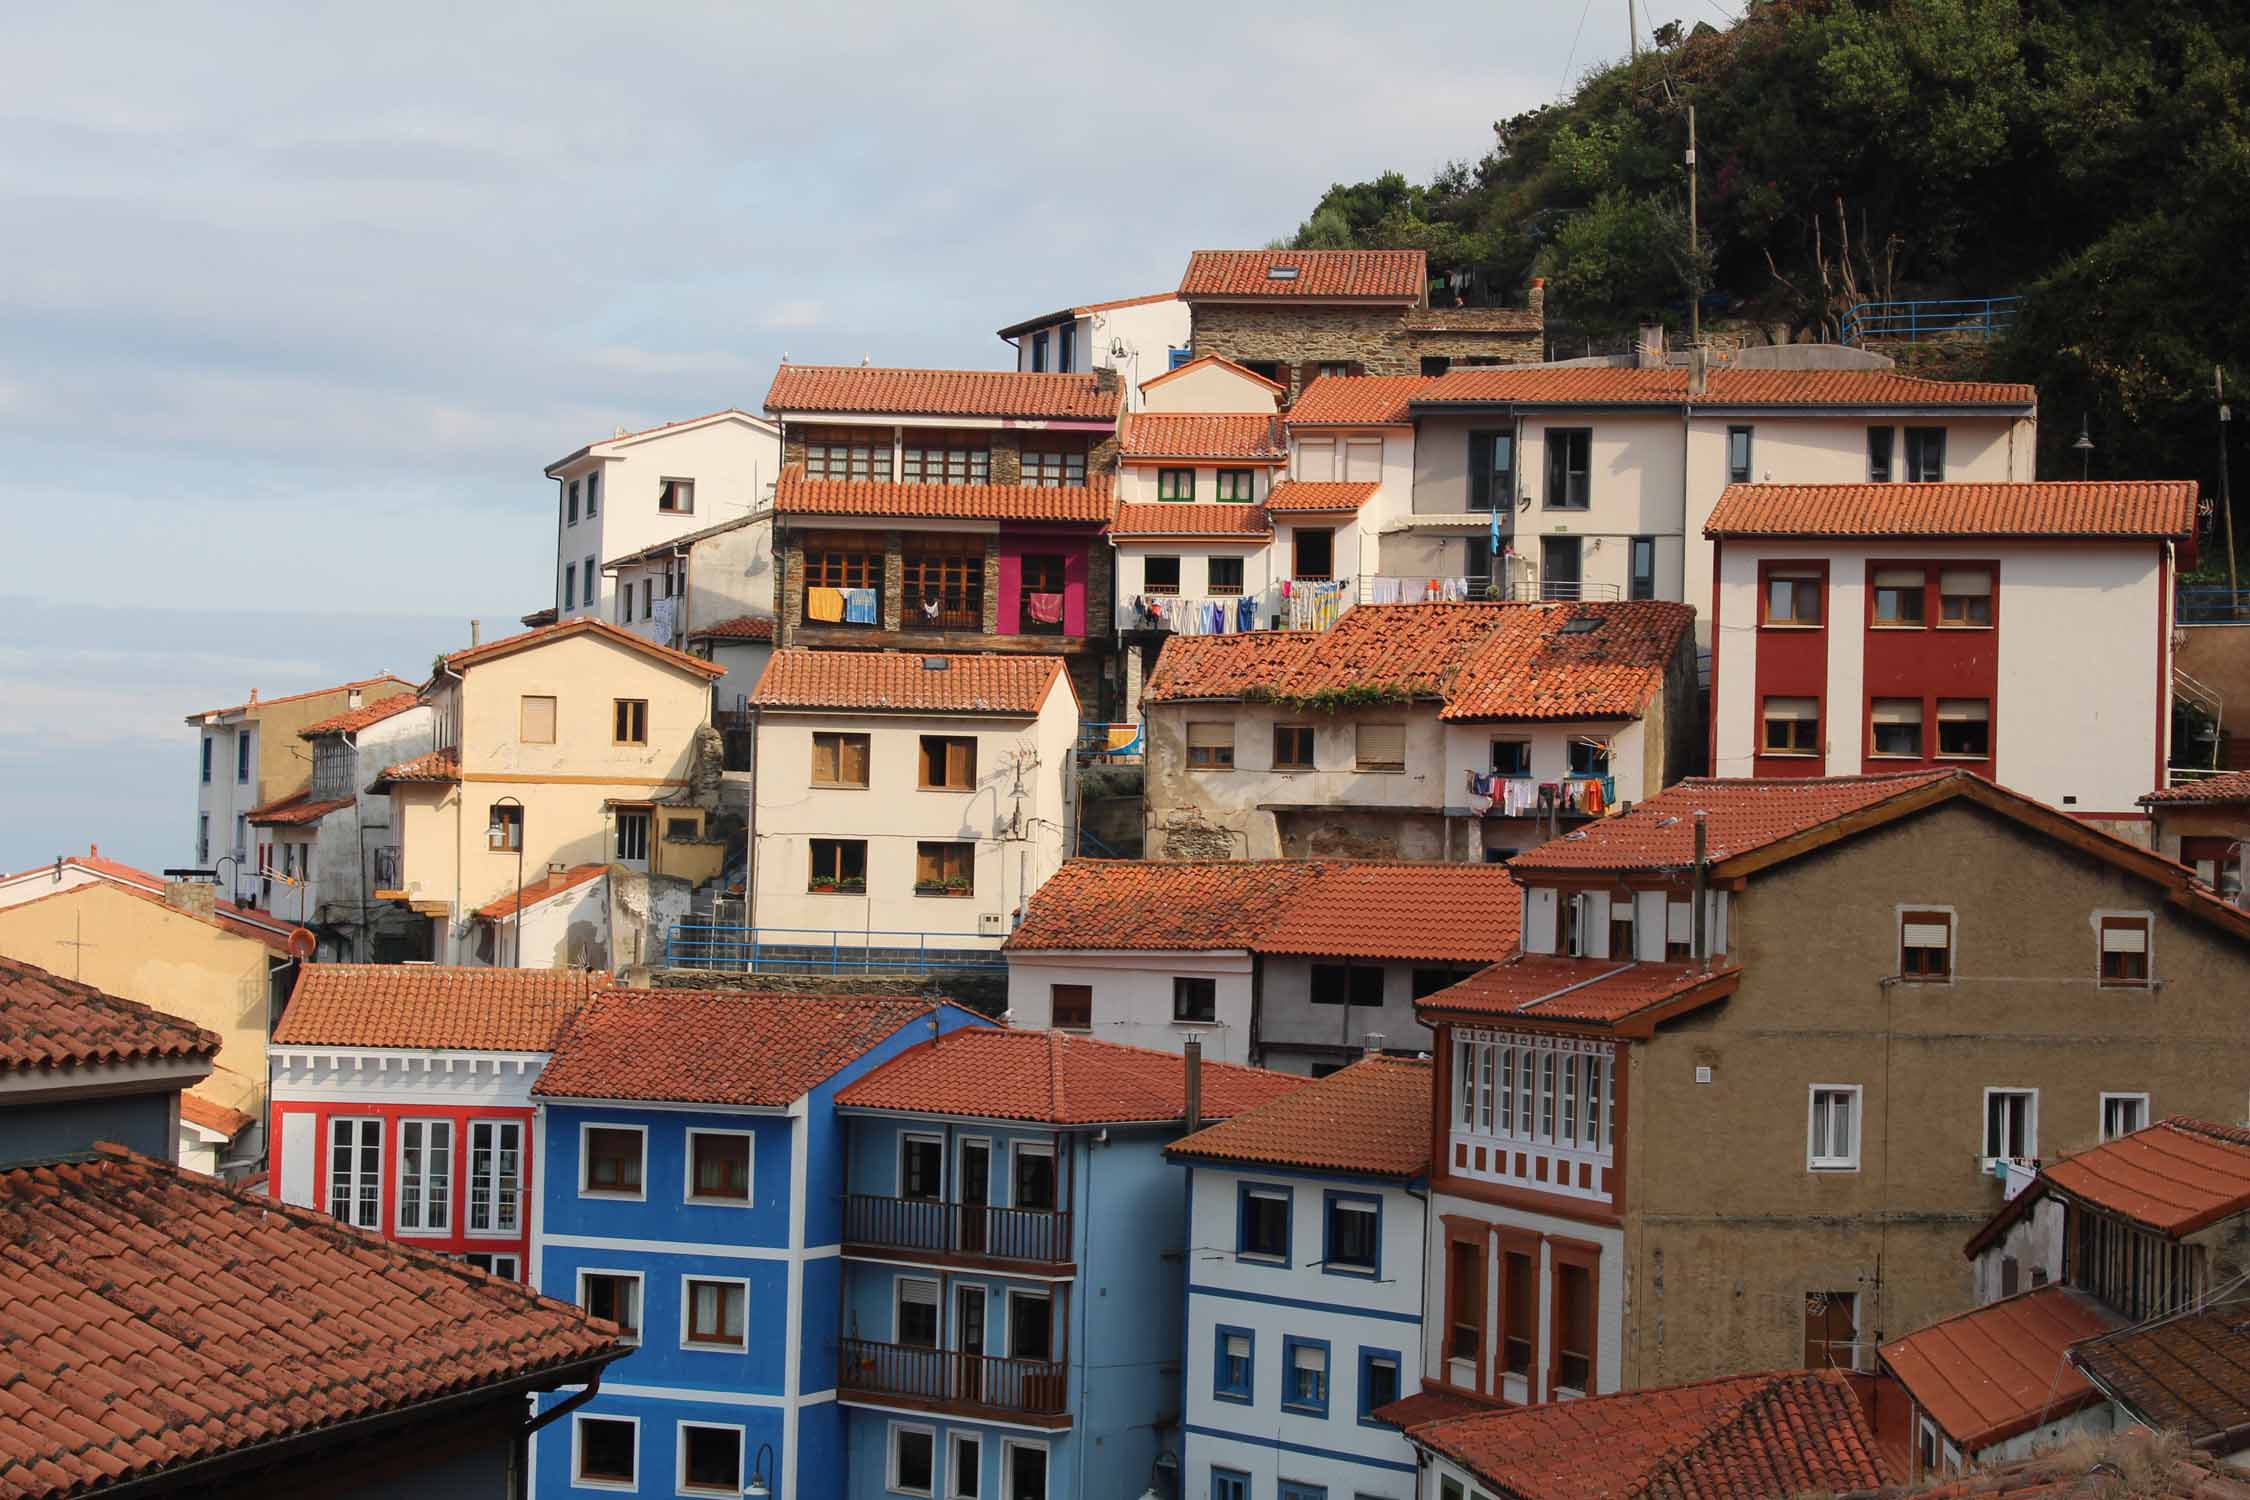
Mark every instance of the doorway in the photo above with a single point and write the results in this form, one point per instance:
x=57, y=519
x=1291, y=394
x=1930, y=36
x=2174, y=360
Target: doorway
x=968, y=1339
x=976, y=1194
x=1559, y=560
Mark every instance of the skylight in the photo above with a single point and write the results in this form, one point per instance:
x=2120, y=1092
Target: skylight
x=1281, y=273
x=1583, y=625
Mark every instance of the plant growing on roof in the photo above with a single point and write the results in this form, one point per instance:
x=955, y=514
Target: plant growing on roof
x=1336, y=700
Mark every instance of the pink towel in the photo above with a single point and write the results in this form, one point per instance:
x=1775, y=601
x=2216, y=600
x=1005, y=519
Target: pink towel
x=1044, y=609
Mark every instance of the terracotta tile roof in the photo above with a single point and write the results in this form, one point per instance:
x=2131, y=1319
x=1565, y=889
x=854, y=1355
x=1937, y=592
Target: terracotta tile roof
x=553, y=883
x=1429, y=1406
x=2174, y=1177
x=2108, y=509
x=47, y=1021
x=197, y=1110
x=798, y=495
x=383, y=680
x=425, y=1006
x=1357, y=401
x=2188, y=1374
x=1320, y=496
x=1566, y=385
x=439, y=767
x=896, y=682
x=1596, y=991
x=545, y=635
x=1743, y=815
x=239, y=919
x=1371, y=275
x=1213, y=362
x=157, y=1319
x=1372, y=1117
x=1744, y=1437
x=2233, y=786
x=295, y=810
x=361, y=717
x=1056, y=1078
x=1170, y=518
x=1252, y=437
x=1321, y=908
x=738, y=628
x=1538, y=666
x=2000, y=1370
x=718, y=1046
x=886, y=391
x=2078, y=1471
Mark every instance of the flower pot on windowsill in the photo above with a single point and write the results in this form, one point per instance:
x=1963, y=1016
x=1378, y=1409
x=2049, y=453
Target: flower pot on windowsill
x=942, y=888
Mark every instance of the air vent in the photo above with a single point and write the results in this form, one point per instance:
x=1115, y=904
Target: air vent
x=1581, y=626
x=1281, y=273
x=937, y=664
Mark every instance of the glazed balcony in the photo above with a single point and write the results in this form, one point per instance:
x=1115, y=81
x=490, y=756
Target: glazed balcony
x=976, y=1234
x=1032, y=1391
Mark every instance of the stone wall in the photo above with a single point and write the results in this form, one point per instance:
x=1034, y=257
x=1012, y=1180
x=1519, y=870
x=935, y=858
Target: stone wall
x=1377, y=339
x=981, y=991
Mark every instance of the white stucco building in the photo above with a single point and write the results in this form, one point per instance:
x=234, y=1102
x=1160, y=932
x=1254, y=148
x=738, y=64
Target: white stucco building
x=1139, y=337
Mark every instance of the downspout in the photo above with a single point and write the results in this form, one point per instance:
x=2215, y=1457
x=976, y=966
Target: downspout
x=1080, y=1303
x=521, y=1480
x=554, y=588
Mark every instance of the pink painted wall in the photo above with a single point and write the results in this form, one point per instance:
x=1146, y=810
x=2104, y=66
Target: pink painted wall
x=1013, y=547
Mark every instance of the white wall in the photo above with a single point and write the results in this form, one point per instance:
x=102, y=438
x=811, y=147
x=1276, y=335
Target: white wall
x=1133, y=996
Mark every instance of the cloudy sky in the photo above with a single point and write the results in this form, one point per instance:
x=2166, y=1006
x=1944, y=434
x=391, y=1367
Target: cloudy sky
x=296, y=302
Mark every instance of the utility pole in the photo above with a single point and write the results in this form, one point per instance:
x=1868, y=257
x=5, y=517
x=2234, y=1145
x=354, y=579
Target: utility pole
x=1694, y=244
x=1633, y=28
x=2226, y=496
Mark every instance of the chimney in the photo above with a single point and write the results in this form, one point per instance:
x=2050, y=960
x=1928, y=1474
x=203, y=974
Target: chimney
x=353, y=699
x=1698, y=370
x=1536, y=298
x=1374, y=1044
x=253, y=697
x=476, y=629
x=1192, y=1054
x=1648, y=352
x=1105, y=378
x=191, y=896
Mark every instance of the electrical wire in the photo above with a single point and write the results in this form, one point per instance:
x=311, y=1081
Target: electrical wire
x=1574, y=38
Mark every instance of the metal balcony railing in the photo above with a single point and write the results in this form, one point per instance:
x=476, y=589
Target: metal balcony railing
x=948, y=1380
x=1041, y=1236
x=2213, y=604
x=1929, y=318
x=806, y=950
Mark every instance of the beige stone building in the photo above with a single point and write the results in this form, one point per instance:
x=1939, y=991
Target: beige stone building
x=1654, y=1166
x=2205, y=825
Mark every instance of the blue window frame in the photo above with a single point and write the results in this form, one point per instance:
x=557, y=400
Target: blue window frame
x=1262, y=1222
x=1229, y=1484
x=1304, y=1375
x=1177, y=357
x=1234, y=1361
x=1351, y=1235
x=1290, y=1489
x=1380, y=1371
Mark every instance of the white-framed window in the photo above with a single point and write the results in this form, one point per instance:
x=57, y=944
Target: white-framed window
x=1023, y=1469
x=605, y=1452
x=1832, y=1131
x=964, y=1465
x=2011, y=1124
x=2122, y=1114
x=506, y=1267
x=715, y=1313
x=710, y=1460
x=610, y=1161
x=615, y=1295
x=914, y=1312
x=496, y=1177
x=718, y=1167
x=425, y=1176
x=355, y=1171
x=911, y=1467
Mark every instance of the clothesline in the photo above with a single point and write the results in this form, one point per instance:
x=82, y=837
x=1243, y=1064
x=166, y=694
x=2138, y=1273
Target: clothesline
x=1522, y=796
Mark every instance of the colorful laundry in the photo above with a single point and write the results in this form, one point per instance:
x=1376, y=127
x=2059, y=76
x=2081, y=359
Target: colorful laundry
x=1044, y=609
x=860, y=606
x=824, y=604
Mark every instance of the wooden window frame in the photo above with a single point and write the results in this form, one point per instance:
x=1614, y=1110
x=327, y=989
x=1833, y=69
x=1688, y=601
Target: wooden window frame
x=637, y=1190
x=940, y=457
x=732, y=1489
x=1211, y=757
x=1921, y=723
x=1802, y=577
x=861, y=454
x=1151, y=586
x=1920, y=594
x=1051, y=464
x=1476, y=1239
x=2126, y=922
x=1766, y=721
x=840, y=881
x=1524, y=1243
x=605, y=1481
x=694, y=1192
x=1851, y=1360
x=1991, y=591
x=629, y=721
x=630, y=1330
x=1923, y=917
x=933, y=868
x=1360, y=762
x=946, y=746
x=1285, y=757
x=1938, y=750
x=1574, y=1255
x=1081, y=1007
x=692, y=1336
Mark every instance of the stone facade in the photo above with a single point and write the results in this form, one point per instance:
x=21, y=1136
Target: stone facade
x=1380, y=340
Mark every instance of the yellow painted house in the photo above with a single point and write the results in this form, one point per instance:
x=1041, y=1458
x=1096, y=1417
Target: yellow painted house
x=573, y=744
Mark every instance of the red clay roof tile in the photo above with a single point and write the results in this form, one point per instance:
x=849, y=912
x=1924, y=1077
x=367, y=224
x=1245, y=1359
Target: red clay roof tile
x=1055, y=1078
x=1567, y=385
x=888, y=391
x=1320, y=496
x=1251, y=437
x=1743, y=815
x=383, y=680
x=198, y=1110
x=1357, y=401
x=47, y=1021
x=1371, y=275
x=797, y=495
x=2000, y=1370
x=1546, y=661
x=239, y=919
x=1461, y=913
x=361, y=717
x=438, y=768
x=295, y=810
x=2188, y=1374
x=1597, y=991
x=2232, y=786
x=2075, y=1472
x=574, y=626
x=1170, y=518
x=157, y=1319
x=1212, y=362
x=899, y=682
x=1372, y=1117
x=426, y=1006
x=2107, y=509
x=553, y=883
x=738, y=628
x=2174, y=1177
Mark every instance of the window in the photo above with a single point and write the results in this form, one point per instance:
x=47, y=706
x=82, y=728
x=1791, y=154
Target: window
x=1175, y=484
x=839, y=759
x=1511, y=757
x=1034, y=1183
x=2011, y=1123
x=1031, y=1327
x=612, y=1161
x=570, y=504
x=1160, y=575
x=202, y=838
x=632, y=835
x=1039, y=351
x=848, y=453
x=1043, y=593
x=2124, y=950
x=1378, y=1380
x=2215, y=858
x=2122, y=1114
x=1621, y=944
x=1738, y=455
x=913, y=1457
x=606, y=1450
x=1304, y=1366
x=593, y=494
x=1237, y=486
x=355, y=1172
x=1313, y=553
x=1964, y=728
x=1833, y=1140
x=1210, y=745
x=1292, y=747
x=1229, y=1484
x=1792, y=726
x=1049, y=466
x=1380, y=747
x=1925, y=942
x=625, y=604
x=206, y=759
x=714, y=1313
x=1644, y=568
x=1232, y=1364
x=1223, y=577
x=710, y=1460
x=1265, y=1224
x=676, y=495
x=1436, y=364
x=505, y=1267
x=1353, y=984
x=1065, y=337
x=1895, y=728
x=1492, y=471
x=943, y=582
x=535, y=719
x=570, y=585
x=945, y=869
x=1316, y=459
x=1587, y=757
x=921, y=1168
x=615, y=1295
x=1964, y=598
x=242, y=755
x=1899, y=598
x=949, y=763
x=631, y=721
x=1831, y=1330
x=503, y=832
x=1070, y=1007
x=838, y=865
x=1792, y=598
x=1925, y=455
x=1423, y=983
x=1519, y=1311
x=648, y=589
x=718, y=1166
x=965, y=1468
x=1023, y=1469
x=1355, y=1235
x=1195, y=999
x=945, y=458
x=586, y=571
x=1561, y=566
x=1464, y=1300
x=1335, y=367
x=1879, y=440
x=1569, y=467
x=425, y=1176
x=1574, y=1326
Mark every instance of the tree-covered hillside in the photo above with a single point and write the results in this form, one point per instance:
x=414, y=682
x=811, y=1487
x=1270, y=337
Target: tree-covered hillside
x=2092, y=155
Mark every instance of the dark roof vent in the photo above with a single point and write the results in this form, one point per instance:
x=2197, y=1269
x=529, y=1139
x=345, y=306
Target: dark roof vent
x=1583, y=625
x=1281, y=273
x=937, y=664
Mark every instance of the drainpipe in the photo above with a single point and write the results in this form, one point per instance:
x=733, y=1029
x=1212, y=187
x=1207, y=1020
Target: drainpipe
x=1191, y=1053
x=1702, y=945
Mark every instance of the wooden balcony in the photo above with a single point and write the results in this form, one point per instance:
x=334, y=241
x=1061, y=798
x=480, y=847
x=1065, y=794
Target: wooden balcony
x=1032, y=1391
x=972, y=1234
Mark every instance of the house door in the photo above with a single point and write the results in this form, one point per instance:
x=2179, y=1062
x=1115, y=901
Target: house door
x=976, y=1194
x=968, y=1339
x=632, y=836
x=1558, y=566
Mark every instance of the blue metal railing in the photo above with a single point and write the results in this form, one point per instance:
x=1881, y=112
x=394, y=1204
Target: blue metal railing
x=1931, y=317
x=810, y=950
x=2213, y=604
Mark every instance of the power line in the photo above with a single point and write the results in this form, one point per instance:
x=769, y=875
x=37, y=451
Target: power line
x=1573, y=58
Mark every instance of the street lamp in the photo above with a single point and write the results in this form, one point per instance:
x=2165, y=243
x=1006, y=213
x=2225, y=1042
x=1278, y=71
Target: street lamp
x=498, y=829
x=2084, y=448
x=760, y=1486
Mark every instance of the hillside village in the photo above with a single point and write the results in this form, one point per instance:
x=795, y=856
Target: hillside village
x=1280, y=895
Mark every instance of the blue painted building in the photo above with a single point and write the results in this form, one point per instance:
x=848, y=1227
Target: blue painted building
x=1012, y=1277
x=687, y=1190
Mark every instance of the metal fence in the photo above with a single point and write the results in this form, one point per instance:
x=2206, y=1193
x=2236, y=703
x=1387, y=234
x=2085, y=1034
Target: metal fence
x=2213, y=604
x=806, y=950
x=1929, y=318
